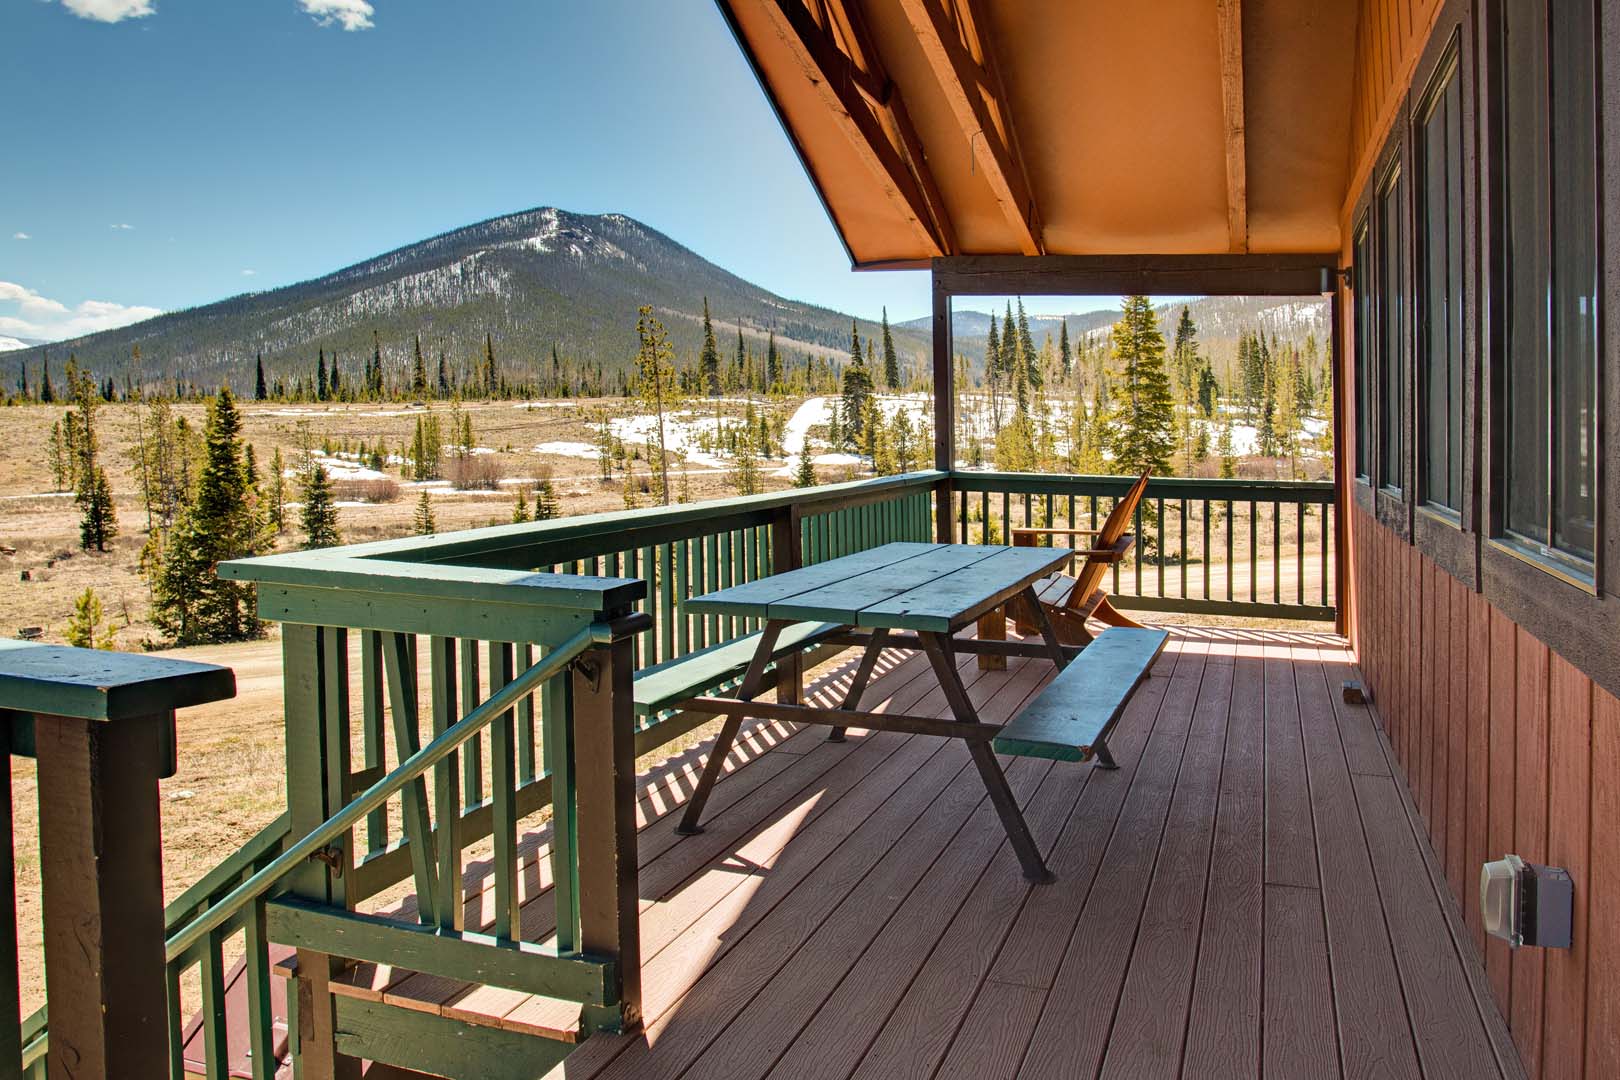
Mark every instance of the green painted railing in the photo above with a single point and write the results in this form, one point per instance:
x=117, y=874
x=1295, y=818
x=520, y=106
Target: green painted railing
x=1258, y=548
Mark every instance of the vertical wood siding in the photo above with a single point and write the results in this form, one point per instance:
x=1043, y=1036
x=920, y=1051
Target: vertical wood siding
x=1506, y=746
x=1389, y=37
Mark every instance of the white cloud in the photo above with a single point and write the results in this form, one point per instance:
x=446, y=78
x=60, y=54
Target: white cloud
x=249, y=273
x=25, y=313
x=109, y=11
x=349, y=14
x=21, y=236
x=120, y=226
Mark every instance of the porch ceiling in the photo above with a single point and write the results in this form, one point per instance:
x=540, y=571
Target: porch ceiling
x=945, y=127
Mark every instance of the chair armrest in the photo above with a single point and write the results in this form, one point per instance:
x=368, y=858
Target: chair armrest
x=1032, y=531
x=1109, y=554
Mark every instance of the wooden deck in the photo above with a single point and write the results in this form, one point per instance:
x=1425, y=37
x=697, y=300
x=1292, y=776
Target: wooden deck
x=1249, y=895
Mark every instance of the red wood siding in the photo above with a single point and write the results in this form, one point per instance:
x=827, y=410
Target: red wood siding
x=1506, y=746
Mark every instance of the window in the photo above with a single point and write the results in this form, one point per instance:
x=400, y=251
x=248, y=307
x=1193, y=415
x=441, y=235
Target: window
x=1549, y=378
x=1438, y=178
x=1363, y=281
x=1392, y=331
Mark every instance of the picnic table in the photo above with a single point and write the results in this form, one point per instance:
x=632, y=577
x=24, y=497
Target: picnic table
x=900, y=595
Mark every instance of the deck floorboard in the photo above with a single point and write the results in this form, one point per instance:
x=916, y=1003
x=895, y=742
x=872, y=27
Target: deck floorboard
x=1247, y=895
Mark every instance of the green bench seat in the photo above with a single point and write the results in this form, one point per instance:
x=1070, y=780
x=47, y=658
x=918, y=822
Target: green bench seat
x=1071, y=718
x=659, y=686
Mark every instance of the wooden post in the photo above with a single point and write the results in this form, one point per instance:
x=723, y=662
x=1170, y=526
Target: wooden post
x=787, y=553
x=103, y=731
x=101, y=883
x=316, y=761
x=944, y=409
x=605, y=787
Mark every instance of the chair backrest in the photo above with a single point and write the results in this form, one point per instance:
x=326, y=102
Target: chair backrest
x=1114, y=527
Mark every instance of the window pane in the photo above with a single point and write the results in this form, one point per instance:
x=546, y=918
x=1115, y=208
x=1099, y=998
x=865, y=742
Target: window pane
x=1527, y=225
x=1439, y=178
x=1574, y=358
x=1364, y=349
x=1392, y=320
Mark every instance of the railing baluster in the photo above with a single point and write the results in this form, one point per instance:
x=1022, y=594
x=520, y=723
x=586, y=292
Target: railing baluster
x=525, y=723
x=647, y=644
x=682, y=589
x=1254, y=551
x=1299, y=549
x=1186, y=549
x=446, y=784
x=1006, y=517
x=711, y=582
x=1163, y=548
x=174, y=1007
x=1232, y=567
x=1139, y=545
x=503, y=790
x=668, y=648
x=1328, y=597
x=402, y=691
x=371, y=722
x=260, y=1014
x=1209, y=556
x=559, y=763
x=1276, y=552
x=213, y=1015
x=472, y=751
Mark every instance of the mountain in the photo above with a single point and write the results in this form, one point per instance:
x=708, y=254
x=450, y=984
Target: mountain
x=532, y=280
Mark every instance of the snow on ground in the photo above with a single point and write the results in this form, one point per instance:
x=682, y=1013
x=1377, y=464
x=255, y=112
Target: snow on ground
x=329, y=410
x=817, y=412
x=564, y=448
x=341, y=467
x=681, y=432
x=42, y=495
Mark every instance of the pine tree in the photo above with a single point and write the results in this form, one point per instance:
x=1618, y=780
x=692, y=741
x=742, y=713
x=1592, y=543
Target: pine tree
x=333, y=380
x=320, y=515
x=1224, y=447
x=1026, y=349
x=322, y=392
x=655, y=369
x=742, y=358
x=857, y=388
x=84, y=629
x=22, y=379
x=374, y=377
x=1144, y=412
x=993, y=367
x=773, y=365
x=891, y=359
x=520, y=507
x=47, y=393
x=99, y=522
x=1065, y=357
x=260, y=391
x=804, y=476
x=491, y=377
x=419, y=383
x=709, y=358
x=444, y=373
x=546, y=506
x=276, y=495
x=422, y=522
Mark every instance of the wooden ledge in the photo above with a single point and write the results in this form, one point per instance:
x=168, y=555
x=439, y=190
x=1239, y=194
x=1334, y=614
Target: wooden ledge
x=97, y=684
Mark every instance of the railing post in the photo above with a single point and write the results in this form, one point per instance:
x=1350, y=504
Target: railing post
x=787, y=553
x=605, y=793
x=310, y=674
x=102, y=727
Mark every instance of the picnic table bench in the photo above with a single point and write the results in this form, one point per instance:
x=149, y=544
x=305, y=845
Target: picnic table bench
x=908, y=596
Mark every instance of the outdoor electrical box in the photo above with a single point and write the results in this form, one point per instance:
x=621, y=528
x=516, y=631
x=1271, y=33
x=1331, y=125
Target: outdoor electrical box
x=1527, y=904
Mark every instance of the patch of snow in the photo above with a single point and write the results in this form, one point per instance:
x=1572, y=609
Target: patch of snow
x=564, y=448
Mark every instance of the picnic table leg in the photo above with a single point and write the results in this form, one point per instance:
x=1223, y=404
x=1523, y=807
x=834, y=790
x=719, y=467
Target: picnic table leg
x=995, y=781
x=863, y=674
x=1054, y=647
x=752, y=681
x=993, y=627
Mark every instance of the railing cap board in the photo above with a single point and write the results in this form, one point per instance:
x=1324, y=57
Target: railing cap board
x=97, y=684
x=466, y=545
x=331, y=570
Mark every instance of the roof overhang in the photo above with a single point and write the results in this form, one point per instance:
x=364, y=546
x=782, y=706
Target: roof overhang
x=1046, y=127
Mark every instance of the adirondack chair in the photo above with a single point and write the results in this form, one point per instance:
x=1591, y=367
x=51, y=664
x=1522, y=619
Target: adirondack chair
x=1070, y=601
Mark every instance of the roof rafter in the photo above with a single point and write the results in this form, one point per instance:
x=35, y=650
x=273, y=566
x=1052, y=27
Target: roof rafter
x=1229, y=14
x=867, y=106
x=966, y=82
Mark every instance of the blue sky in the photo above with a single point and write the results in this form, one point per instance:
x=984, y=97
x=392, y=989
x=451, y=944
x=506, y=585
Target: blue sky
x=167, y=153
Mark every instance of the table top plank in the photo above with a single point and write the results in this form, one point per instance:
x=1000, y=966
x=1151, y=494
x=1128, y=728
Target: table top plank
x=754, y=598
x=843, y=601
x=952, y=601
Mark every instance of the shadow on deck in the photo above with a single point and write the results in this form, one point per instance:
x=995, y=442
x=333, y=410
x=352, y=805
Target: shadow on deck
x=1250, y=894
